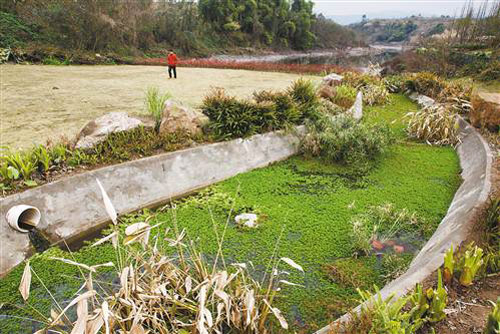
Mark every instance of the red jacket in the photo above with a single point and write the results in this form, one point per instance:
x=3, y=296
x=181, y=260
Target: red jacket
x=172, y=59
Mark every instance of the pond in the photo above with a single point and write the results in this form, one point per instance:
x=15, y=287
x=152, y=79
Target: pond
x=307, y=204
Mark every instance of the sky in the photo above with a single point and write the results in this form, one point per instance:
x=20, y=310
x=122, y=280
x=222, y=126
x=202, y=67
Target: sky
x=345, y=10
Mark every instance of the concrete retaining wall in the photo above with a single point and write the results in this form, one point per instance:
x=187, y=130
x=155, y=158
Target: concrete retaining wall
x=475, y=160
x=73, y=206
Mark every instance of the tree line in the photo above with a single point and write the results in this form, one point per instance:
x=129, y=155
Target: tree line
x=191, y=27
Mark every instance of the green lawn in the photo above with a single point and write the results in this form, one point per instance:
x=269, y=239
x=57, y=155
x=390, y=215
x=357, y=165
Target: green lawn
x=307, y=201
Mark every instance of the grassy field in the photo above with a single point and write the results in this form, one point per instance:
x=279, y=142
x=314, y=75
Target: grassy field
x=41, y=102
x=306, y=203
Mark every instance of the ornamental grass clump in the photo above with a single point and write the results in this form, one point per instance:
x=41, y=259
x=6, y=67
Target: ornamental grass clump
x=436, y=125
x=166, y=286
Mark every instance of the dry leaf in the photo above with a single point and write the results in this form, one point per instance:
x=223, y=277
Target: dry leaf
x=110, y=209
x=105, y=315
x=103, y=240
x=86, y=295
x=82, y=312
x=291, y=263
x=93, y=326
x=24, y=286
x=278, y=315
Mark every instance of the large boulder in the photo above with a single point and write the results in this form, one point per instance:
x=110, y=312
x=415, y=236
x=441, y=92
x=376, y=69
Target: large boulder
x=98, y=129
x=179, y=118
x=486, y=111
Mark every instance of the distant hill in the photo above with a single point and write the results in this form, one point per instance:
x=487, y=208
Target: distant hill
x=401, y=30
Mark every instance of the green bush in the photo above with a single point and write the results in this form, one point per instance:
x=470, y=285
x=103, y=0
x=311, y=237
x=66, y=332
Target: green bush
x=342, y=139
x=305, y=94
x=233, y=118
x=268, y=111
x=344, y=95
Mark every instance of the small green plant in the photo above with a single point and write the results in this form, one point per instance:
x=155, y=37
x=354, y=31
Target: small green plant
x=493, y=322
x=58, y=153
x=437, y=301
x=449, y=265
x=43, y=157
x=469, y=264
x=24, y=162
x=155, y=103
x=387, y=315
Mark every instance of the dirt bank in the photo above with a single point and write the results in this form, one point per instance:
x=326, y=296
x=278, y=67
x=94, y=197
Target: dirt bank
x=40, y=102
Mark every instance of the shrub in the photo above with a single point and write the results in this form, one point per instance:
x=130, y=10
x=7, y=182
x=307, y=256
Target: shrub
x=344, y=95
x=425, y=83
x=233, y=118
x=343, y=139
x=375, y=94
x=305, y=94
x=395, y=83
x=360, y=80
x=155, y=103
x=400, y=315
x=435, y=125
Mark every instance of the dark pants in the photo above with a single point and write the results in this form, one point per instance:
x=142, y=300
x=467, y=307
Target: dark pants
x=170, y=69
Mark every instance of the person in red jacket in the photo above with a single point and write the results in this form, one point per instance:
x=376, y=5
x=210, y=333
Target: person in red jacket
x=172, y=64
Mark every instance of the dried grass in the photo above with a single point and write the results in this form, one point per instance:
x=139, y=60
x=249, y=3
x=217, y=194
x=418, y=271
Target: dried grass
x=162, y=293
x=435, y=125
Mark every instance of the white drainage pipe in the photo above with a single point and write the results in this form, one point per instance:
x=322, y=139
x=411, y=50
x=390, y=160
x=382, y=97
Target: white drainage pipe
x=23, y=217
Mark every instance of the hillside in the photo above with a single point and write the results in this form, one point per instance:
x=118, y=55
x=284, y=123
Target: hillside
x=404, y=30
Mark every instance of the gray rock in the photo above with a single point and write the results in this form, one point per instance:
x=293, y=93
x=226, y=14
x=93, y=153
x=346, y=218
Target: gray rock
x=357, y=108
x=179, y=118
x=422, y=100
x=98, y=129
x=333, y=79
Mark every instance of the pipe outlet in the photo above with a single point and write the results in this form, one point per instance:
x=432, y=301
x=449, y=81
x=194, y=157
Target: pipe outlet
x=23, y=217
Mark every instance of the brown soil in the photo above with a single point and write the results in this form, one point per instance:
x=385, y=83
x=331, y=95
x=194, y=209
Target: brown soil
x=40, y=102
x=468, y=308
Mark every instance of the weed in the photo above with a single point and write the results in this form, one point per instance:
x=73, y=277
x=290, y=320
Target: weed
x=449, y=265
x=469, y=264
x=493, y=321
x=155, y=103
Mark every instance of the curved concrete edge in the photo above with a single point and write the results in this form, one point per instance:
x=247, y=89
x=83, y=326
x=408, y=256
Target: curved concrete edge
x=476, y=162
x=73, y=206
